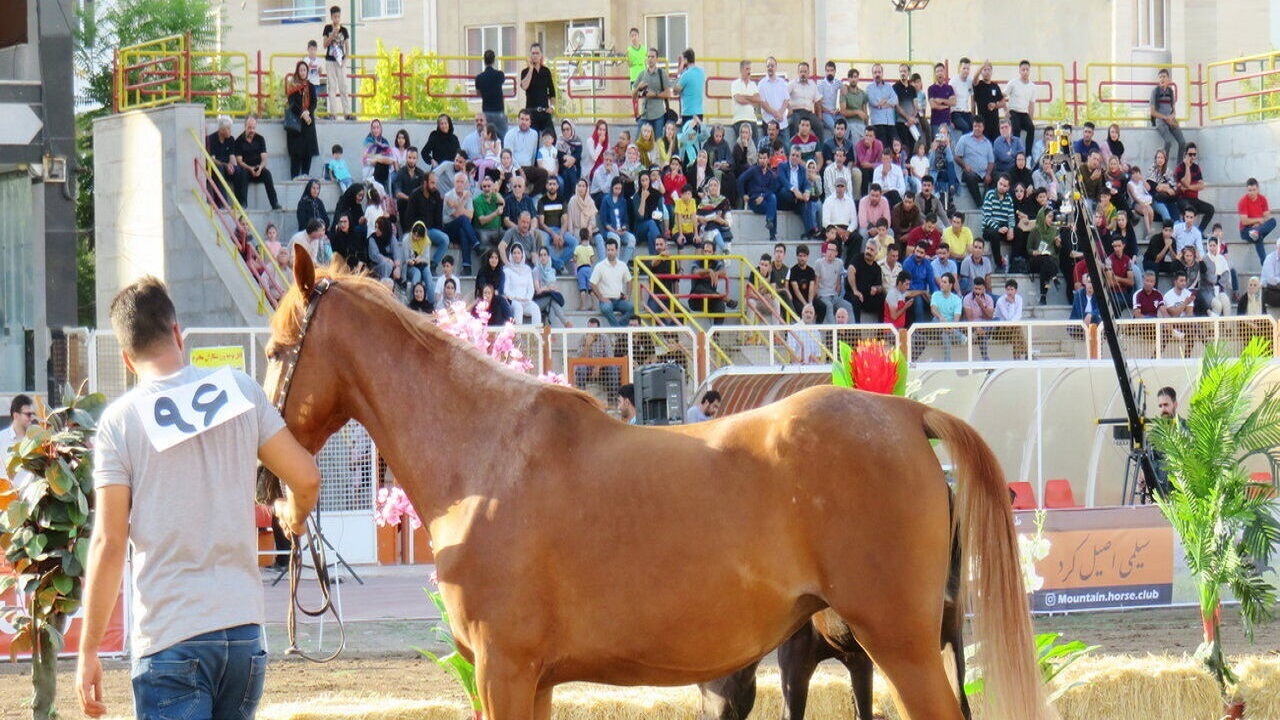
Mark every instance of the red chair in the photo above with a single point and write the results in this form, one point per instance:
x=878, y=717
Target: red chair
x=1058, y=495
x=1260, y=483
x=1024, y=496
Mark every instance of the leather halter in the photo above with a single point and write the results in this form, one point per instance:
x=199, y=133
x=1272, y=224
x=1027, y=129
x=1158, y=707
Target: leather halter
x=315, y=543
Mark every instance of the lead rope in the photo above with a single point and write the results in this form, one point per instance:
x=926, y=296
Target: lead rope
x=319, y=562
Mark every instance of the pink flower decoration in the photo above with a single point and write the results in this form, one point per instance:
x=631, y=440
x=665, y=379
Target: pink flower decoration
x=393, y=506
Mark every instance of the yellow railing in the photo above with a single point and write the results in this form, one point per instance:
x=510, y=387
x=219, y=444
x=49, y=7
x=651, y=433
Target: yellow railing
x=1243, y=87
x=238, y=215
x=153, y=73
x=670, y=311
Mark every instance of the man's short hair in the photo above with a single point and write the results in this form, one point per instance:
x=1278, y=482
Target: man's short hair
x=611, y=242
x=764, y=257
x=488, y=57
x=1149, y=273
x=1011, y=284
x=903, y=276
x=142, y=315
x=1180, y=274
x=314, y=225
x=931, y=218
x=525, y=113
x=926, y=179
x=1251, y=182
x=939, y=66
x=781, y=247
x=1089, y=124
x=334, y=9
x=1168, y=392
x=1164, y=72
x=979, y=281
x=688, y=55
x=957, y=215
x=909, y=195
x=802, y=250
x=1024, y=62
x=336, y=149
x=875, y=187
x=709, y=396
x=965, y=61
x=447, y=260
x=743, y=63
x=19, y=402
x=312, y=44
x=840, y=122
x=628, y=392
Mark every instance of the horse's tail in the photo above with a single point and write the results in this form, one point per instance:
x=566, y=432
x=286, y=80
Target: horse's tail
x=993, y=579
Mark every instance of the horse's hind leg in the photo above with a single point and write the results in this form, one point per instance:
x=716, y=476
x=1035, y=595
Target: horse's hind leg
x=731, y=697
x=862, y=678
x=798, y=657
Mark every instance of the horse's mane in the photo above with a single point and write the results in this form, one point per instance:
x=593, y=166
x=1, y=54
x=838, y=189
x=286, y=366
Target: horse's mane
x=286, y=325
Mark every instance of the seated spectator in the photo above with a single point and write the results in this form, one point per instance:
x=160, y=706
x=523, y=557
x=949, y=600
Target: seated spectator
x=1271, y=278
x=418, y=300
x=446, y=275
x=595, y=345
x=1117, y=272
x=805, y=344
x=1009, y=306
x=906, y=216
x=311, y=206
x=975, y=265
x=830, y=273
x=552, y=209
x=794, y=192
x=946, y=306
x=1043, y=244
x=864, y=285
x=1021, y=173
x=899, y=300
x=709, y=286
x=1256, y=222
x=1179, y=302
x=1092, y=177
x=997, y=219
x=489, y=301
x=890, y=177
x=459, y=216
x=1187, y=234
x=1189, y=264
x=1217, y=281
x=1190, y=184
x=490, y=207
x=802, y=280
x=1251, y=301
x=385, y=253
x=926, y=234
x=957, y=235
x=944, y=264
x=609, y=282
x=584, y=261
x=758, y=187
x=665, y=269
x=1148, y=302
x=518, y=288
x=713, y=217
x=1160, y=252
x=1086, y=145
x=707, y=408
x=975, y=159
x=929, y=202
x=806, y=141
x=416, y=251
x=867, y=155
x=316, y=241
x=873, y=207
x=407, y=179
x=1044, y=177
x=449, y=293
x=880, y=233
x=615, y=224
x=980, y=308
x=923, y=282
x=490, y=274
x=522, y=234
x=1005, y=148
x=251, y=156
x=1084, y=306
x=839, y=211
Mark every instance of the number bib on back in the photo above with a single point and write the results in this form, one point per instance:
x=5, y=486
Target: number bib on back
x=179, y=414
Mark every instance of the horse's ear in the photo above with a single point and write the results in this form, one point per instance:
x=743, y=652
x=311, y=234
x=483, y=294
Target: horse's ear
x=304, y=270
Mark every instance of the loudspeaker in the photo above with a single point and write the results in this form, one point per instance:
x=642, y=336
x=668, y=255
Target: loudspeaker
x=660, y=394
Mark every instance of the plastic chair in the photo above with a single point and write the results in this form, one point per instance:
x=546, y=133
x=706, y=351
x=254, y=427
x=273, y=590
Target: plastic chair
x=1261, y=483
x=1058, y=495
x=1024, y=496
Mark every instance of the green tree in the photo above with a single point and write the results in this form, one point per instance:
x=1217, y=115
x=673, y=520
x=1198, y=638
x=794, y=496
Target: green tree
x=1228, y=527
x=44, y=534
x=422, y=73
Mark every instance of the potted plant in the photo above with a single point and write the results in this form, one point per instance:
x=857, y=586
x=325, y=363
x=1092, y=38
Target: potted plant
x=1226, y=526
x=45, y=537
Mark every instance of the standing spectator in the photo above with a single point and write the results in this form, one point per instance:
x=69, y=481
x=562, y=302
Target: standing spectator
x=1164, y=114
x=1148, y=302
x=746, y=100
x=1021, y=94
x=652, y=89
x=942, y=99
x=609, y=281
x=962, y=88
x=251, y=154
x=975, y=156
x=690, y=87
x=853, y=106
x=569, y=149
x=195, y=587
x=335, y=58
x=491, y=87
x=830, y=88
x=758, y=187
x=975, y=266
x=989, y=100
x=882, y=100
x=300, y=141
x=539, y=91
x=774, y=94
x=804, y=101
x=1256, y=222
x=1190, y=183
x=829, y=272
x=997, y=219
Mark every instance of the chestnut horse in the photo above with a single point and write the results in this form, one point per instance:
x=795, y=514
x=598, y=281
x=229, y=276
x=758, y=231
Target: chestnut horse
x=573, y=547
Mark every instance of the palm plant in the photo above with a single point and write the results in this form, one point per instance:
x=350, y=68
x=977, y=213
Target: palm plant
x=1227, y=525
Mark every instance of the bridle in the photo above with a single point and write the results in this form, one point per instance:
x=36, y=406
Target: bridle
x=315, y=543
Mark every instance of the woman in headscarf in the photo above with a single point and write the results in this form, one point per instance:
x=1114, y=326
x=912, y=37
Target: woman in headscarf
x=700, y=173
x=669, y=144
x=377, y=159
x=647, y=145
x=311, y=206
x=385, y=252
x=593, y=151
x=720, y=156
x=416, y=251
x=346, y=242
x=419, y=302
x=518, y=288
x=490, y=272
x=351, y=204
x=569, y=155
x=300, y=96
x=442, y=144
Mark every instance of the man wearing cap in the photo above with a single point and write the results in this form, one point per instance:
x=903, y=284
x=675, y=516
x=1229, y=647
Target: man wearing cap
x=839, y=211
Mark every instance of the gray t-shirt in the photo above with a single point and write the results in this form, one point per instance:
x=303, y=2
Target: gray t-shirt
x=656, y=80
x=191, y=527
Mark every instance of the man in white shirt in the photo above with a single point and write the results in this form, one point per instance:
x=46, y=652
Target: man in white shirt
x=830, y=273
x=889, y=176
x=1179, y=301
x=774, y=95
x=805, y=344
x=522, y=141
x=1009, y=306
x=837, y=170
x=473, y=144
x=21, y=414
x=839, y=210
x=1187, y=233
x=962, y=111
x=1021, y=94
x=829, y=87
x=706, y=409
x=609, y=281
x=803, y=100
x=746, y=100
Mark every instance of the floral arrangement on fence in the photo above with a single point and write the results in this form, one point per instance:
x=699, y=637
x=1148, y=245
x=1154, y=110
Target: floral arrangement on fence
x=500, y=346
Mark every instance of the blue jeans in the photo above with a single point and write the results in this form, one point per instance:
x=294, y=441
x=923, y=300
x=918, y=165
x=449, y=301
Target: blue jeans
x=768, y=207
x=461, y=231
x=562, y=257
x=421, y=274
x=647, y=232
x=1263, y=231
x=962, y=121
x=617, y=311
x=721, y=235
x=626, y=245
x=215, y=675
x=439, y=245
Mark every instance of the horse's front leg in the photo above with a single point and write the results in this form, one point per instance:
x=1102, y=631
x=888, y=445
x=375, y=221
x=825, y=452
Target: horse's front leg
x=508, y=686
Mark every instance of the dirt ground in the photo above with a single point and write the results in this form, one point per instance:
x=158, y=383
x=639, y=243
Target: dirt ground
x=381, y=657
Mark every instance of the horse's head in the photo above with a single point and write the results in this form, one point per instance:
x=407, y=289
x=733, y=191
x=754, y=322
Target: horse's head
x=300, y=357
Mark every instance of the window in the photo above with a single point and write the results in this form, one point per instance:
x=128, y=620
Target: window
x=379, y=9
x=501, y=39
x=669, y=34
x=1150, y=23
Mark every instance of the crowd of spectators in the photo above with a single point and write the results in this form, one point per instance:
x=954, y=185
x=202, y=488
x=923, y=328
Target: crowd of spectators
x=871, y=168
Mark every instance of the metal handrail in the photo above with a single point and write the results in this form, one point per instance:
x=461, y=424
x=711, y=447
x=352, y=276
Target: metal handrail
x=674, y=310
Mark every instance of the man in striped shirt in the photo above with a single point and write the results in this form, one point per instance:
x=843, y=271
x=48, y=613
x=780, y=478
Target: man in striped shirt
x=997, y=219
